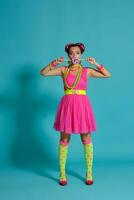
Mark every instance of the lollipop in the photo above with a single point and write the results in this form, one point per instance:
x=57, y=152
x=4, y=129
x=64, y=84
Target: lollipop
x=75, y=60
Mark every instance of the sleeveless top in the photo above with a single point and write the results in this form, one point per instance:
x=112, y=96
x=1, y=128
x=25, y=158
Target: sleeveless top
x=82, y=84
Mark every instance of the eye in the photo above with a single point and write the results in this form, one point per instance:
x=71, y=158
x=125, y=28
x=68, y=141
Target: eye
x=70, y=53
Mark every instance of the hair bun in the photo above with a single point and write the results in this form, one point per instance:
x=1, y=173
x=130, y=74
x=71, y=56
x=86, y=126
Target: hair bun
x=67, y=46
x=81, y=45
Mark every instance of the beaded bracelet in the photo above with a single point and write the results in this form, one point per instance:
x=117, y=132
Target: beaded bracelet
x=53, y=63
x=101, y=67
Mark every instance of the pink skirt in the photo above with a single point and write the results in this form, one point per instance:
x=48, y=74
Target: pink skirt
x=75, y=115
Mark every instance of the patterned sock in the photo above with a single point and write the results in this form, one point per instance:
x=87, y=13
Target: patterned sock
x=63, y=150
x=88, y=154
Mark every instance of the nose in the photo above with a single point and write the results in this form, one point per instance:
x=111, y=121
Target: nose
x=75, y=56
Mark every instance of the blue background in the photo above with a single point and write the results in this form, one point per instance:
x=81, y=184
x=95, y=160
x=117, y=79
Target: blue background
x=32, y=34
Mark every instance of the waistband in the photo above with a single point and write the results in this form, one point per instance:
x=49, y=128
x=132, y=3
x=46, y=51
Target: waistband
x=74, y=91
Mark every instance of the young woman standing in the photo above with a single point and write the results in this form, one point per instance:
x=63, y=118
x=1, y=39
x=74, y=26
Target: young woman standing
x=75, y=114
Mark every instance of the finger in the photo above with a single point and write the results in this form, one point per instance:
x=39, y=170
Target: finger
x=60, y=59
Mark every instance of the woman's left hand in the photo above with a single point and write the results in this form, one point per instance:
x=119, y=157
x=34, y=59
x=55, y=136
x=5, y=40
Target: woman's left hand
x=91, y=60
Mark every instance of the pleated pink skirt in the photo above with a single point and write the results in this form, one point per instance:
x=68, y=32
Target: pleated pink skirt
x=75, y=115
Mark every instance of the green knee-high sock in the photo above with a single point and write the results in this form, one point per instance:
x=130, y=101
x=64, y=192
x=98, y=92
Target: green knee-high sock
x=63, y=150
x=88, y=154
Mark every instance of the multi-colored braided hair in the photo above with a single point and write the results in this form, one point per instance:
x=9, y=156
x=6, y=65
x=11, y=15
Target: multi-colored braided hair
x=79, y=44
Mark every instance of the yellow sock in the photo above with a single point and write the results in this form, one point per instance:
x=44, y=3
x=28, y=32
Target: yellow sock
x=63, y=150
x=88, y=154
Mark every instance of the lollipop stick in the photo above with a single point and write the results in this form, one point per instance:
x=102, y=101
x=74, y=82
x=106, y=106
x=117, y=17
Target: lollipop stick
x=79, y=59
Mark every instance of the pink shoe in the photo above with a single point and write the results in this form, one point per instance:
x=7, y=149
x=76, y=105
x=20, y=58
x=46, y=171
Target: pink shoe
x=89, y=182
x=63, y=182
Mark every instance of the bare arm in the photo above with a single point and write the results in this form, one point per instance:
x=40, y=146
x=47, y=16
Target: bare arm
x=51, y=71
x=96, y=73
x=100, y=73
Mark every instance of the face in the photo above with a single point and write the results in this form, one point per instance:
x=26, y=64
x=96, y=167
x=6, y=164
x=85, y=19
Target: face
x=74, y=54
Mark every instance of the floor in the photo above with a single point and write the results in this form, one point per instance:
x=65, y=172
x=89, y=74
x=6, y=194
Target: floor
x=112, y=180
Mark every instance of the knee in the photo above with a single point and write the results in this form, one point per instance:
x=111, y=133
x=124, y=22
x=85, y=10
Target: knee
x=65, y=139
x=64, y=142
x=86, y=139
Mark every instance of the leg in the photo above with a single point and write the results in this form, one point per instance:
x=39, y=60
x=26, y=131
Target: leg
x=86, y=138
x=63, y=150
x=88, y=153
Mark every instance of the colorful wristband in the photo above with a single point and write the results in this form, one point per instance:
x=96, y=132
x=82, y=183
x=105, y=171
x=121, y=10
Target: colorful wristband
x=100, y=67
x=53, y=63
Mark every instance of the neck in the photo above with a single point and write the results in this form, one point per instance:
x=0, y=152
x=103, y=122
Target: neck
x=73, y=66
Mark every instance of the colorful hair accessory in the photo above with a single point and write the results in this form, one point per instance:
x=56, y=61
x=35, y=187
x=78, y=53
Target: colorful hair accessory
x=81, y=45
x=67, y=46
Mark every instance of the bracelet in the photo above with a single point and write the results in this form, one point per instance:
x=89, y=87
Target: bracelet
x=101, y=67
x=53, y=63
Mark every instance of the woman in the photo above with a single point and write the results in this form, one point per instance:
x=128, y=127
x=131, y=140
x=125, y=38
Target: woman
x=75, y=113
